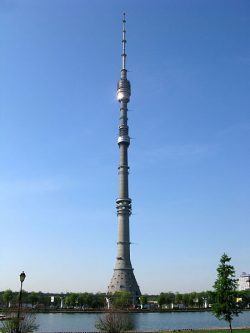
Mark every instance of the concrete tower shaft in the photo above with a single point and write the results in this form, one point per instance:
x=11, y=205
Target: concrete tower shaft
x=123, y=278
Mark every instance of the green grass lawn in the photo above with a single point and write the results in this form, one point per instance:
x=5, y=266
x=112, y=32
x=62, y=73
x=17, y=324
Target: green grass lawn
x=247, y=330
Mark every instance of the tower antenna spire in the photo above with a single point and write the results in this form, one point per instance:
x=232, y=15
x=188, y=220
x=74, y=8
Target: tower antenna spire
x=124, y=55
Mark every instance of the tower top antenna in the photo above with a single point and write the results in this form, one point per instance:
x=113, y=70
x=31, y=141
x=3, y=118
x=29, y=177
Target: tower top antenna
x=124, y=55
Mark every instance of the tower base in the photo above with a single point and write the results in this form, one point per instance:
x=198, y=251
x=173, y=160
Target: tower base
x=124, y=280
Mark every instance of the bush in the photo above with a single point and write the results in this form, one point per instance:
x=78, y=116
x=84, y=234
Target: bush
x=114, y=322
x=25, y=324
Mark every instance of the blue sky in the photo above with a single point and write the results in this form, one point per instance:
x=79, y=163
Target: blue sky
x=189, y=66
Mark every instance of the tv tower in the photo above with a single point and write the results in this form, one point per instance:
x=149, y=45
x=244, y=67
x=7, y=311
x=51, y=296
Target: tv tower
x=123, y=277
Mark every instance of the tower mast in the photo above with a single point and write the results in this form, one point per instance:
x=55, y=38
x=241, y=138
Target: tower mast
x=123, y=277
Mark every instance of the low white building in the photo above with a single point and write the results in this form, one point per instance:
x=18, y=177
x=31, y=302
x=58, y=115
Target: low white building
x=244, y=281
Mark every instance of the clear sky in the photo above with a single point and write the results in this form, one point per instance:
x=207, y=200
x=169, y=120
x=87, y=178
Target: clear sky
x=189, y=159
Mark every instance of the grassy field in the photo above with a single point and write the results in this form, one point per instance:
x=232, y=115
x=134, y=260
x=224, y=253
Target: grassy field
x=247, y=330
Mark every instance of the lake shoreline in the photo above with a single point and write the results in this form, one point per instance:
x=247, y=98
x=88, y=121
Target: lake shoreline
x=123, y=310
x=107, y=311
x=78, y=311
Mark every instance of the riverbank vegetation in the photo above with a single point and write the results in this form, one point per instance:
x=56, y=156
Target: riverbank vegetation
x=165, y=301
x=25, y=323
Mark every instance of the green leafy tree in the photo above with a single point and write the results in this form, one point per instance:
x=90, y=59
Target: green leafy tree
x=57, y=301
x=143, y=300
x=121, y=299
x=89, y=299
x=210, y=297
x=44, y=299
x=33, y=298
x=225, y=304
x=71, y=299
x=192, y=299
x=178, y=298
x=161, y=300
x=245, y=296
x=186, y=300
x=169, y=298
x=25, y=296
x=98, y=300
x=7, y=297
x=83, y=299
x=201, y=299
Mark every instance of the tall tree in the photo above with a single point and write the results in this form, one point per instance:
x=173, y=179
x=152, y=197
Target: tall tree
x=121, y=299
x=225, y=296
x=33, y=298
x=71, y=299
x=169, y=297
x=178, y=298
x=7, y=297
x=143, y=300
x=161, y=299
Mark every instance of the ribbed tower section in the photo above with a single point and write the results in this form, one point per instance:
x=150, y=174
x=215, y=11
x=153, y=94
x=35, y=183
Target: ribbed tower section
x=123, y=278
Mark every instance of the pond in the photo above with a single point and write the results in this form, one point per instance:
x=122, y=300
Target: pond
x=79, y=322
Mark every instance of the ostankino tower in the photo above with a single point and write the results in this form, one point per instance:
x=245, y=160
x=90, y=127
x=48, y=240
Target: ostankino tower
x=123, y=278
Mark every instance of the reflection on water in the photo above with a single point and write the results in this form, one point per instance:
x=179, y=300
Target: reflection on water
x=80, y=322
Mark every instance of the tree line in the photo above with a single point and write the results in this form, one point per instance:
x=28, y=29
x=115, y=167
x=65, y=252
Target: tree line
x=8, y=298
x=197, y=299
x=165, y=300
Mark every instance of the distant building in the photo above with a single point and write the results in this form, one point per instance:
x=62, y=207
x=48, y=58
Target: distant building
x=244, y=281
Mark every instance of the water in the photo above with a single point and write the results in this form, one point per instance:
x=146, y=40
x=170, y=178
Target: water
x=79, y=322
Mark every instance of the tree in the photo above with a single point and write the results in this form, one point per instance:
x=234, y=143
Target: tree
x=185, y=300
x=161, y=300
x=245, y=296
x=169, y=298
x=202, y=299
x=71, y=299
x=25, y=324
x=33, y=298
x=225, y=304
x=43, y=299
x=192, y=299
x=90, y=299
x=25, y=295
x=210, y=297
x=143, y=300
x=98, y=300
x=114, y=322
x=7, y=297
x=121, y=299
x=178, y=298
